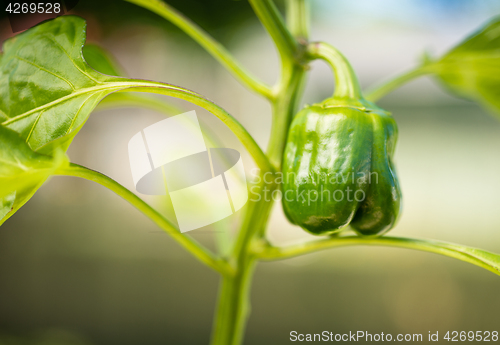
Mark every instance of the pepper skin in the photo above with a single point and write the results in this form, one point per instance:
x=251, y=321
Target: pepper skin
x=338, y=169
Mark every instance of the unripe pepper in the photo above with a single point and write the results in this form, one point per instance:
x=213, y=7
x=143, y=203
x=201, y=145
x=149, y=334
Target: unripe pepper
x=338, y=168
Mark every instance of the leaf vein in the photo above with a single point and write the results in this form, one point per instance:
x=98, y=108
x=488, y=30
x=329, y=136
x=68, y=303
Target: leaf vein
x=77, y=113
x=72, y=61
x=33, y=126
x=17, y=163
x=80, y=92
x=46, y=70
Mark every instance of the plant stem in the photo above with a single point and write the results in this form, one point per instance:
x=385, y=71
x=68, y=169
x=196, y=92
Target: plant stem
x=381, y=90
x=346, y=82
x=234, y=300
x=130, y=99
x=291, y=84
x=272, y=20
x=213, y=47
x=481, y=258
x=298, y=18
x=284, y=108
x=122, y=99
x=131, y=85
x=185, y=241
x=234, y=306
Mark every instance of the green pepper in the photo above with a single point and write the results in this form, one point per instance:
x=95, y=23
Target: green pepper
x=338, y=169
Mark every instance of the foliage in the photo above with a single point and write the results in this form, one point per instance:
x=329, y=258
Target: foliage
x=48, y=90
x=472, y=69
x=22, y=171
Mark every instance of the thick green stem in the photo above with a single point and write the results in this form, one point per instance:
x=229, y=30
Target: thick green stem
x=234, y=295
x=382, y=90
x=284, y=108
x=290, y=87
x=234, y=303
x=234, y=306
x=298, y=18
x=234, y=299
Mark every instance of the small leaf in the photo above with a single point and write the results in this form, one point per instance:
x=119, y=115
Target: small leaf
x=47, y=91
x=101, y=60
x=472, y=69
x=22, y=171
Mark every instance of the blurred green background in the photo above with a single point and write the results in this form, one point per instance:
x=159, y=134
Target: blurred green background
x=78, y=265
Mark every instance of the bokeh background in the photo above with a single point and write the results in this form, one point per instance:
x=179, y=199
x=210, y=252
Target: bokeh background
x=78, y=265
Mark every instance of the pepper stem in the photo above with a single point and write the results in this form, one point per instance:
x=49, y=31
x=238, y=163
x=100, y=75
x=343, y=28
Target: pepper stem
x=346, y=82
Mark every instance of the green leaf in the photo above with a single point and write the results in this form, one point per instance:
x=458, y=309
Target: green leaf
x=22, y=171
x=7, y=204
x=472, y=69
x=47, y=91
x=101, y=60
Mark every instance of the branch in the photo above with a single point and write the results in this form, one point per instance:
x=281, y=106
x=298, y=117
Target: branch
x=297, y=17
x=273, y=22
x=213, y=47
x=188, y=243
x=131, y=99
x=478, y=257
x=122, y=99
x=131, y=85
x=380, y=91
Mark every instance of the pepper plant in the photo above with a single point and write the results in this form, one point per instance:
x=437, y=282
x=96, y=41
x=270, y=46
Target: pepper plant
x=49, y=87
